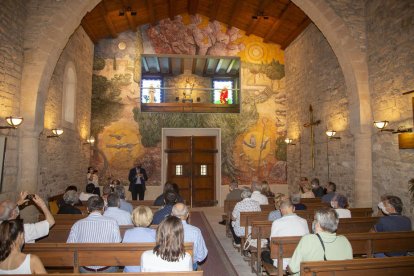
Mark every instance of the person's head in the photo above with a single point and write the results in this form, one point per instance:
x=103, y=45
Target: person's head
x=120, y=191
x=8, y=210
x=170, y=198
x=279, y=197
x=326, y=220
x=116, y=182
x=71, y=197
x=180, y=210
x=113, y=200
x=90, y=169
x=286, y=207
x=393, y=204
x=246, y=194
x=265, y=187
x=168, y=186
x=295, y=198
x=11, y=236
x=142, y=216
x=233, y=185
x=107, y=189
x=175, y=188
x=138, y=164
x=339, y=201
x=315, y=183
x=331, y=188
x=169, y=244
x=256, y=187
x=90, y=188
x=95, y=204
x=71, y=188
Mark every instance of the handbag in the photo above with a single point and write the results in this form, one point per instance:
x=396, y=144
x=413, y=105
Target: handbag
x=253, y=242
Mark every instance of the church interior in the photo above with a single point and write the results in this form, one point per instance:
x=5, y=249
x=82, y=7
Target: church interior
x=206, y=92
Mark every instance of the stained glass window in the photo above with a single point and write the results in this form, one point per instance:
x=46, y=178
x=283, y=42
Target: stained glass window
x=219, y=87
x=150, y=91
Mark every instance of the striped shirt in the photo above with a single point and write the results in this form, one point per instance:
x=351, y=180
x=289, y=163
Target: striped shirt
x=95, y=229
x=193, y=234
x=121, y=216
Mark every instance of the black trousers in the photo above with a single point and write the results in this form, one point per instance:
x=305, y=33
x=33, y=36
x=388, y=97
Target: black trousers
x=237, y=239
x=138, y=190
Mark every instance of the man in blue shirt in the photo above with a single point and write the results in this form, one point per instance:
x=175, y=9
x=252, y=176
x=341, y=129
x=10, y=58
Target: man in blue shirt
x=191, y=234
x=170, y=198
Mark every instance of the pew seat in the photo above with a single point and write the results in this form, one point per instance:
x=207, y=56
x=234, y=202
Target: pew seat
x=182, y=273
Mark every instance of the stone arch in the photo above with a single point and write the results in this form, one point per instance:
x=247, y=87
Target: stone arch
x=354, y=66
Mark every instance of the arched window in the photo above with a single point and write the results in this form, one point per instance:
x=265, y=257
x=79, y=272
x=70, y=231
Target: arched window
x=69, y=93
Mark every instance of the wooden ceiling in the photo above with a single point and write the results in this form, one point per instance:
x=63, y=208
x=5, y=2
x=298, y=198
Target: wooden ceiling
x=279, y=21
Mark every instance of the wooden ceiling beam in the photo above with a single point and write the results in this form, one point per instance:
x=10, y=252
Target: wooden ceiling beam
x=151, y=11
x=214, y=8
x=108, y=22
x=230, y=66
x=263, y=4
x=235, y=8
x=218, y=66
x=145, y=64
x=88, y=30
x=171, y=9
x=192, y=6
x=299, y=29
x=278, y=22
x=130, y=19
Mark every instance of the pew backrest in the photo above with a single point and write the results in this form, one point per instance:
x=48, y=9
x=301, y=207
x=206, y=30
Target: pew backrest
x=180, y=273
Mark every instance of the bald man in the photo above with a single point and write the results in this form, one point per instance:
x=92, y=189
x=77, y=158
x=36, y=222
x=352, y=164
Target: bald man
x=32, y=231
x=191, y=234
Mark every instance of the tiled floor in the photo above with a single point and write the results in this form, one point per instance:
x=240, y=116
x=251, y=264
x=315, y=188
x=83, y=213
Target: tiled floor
x=213, y=215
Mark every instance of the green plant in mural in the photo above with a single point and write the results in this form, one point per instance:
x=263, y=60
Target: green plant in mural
x=281, y=149
x=98, y=63
x=273, y=70
x=106, y=103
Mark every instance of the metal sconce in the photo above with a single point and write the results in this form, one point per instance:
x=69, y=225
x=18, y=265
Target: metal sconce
x=56, y=133
x=331, y=134
x=382, y=124
x=90, y=140
x=13, y=122
x=289, y=141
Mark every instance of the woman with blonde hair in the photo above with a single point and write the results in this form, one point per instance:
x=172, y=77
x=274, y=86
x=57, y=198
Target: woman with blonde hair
x=12, y=260
x=169, y=252
x=307, y=190
x=266, y=189
x=141, y=218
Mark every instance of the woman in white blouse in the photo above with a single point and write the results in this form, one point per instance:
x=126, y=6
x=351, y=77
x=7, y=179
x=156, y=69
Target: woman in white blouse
x=340, y=203
x=169, y=252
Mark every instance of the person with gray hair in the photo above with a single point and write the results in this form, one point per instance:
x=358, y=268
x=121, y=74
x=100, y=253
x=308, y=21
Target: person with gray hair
x=191, y=234
x=123, y=204
x=235, y=192
x=257, y=194
x=70, y=198
x=340, y=203
x=246, y=205
x=296, y=202
x=122, y=217
x=324, y=244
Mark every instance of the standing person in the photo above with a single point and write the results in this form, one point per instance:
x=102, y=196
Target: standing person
x=169, y=252
x=12, y=260
x=137, y=177
x=92, y=177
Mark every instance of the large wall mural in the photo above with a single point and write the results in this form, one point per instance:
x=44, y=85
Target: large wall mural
x=252, y=141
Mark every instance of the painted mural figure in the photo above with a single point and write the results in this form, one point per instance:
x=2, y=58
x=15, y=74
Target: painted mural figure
x=151, y=94
x=188, y=91
x=224, y=95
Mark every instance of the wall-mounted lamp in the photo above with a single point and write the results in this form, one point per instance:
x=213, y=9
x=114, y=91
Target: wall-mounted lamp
x=289, y=141
x=13, y=122
x=90, y=141
x=331, y=134
x=382, y=124
x=56, y=133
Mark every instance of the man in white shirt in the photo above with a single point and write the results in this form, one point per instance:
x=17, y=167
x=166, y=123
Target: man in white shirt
x=288, y=225
x=32, y=231
x=257, y=195
x=122, y=217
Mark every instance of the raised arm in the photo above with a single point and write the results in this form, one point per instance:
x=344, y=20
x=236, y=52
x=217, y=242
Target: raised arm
x=42, y=205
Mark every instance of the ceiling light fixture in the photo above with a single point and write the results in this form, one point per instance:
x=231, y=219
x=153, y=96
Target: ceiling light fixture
x=289, y=141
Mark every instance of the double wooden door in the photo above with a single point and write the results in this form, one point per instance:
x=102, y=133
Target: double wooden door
x=191, y=164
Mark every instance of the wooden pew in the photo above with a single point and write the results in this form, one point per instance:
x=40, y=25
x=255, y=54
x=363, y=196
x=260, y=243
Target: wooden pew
x=315, y=205
x=369, y=266
x=246, y=219
x=91, y=254
x=260, y=230
x=362, y=244
x=355, y=212
x=310, y=200
x=182, y=273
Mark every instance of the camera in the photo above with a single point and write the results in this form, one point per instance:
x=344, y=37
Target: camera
x=30, y=196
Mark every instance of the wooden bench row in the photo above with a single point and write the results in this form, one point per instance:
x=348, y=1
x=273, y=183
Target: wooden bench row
x=75, y=255
x=188, y=273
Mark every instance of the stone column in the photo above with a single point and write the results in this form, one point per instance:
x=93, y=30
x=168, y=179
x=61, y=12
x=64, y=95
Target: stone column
x=363, y=170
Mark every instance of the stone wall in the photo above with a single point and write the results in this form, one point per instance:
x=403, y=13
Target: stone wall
x=12, y=21
x=390, y=37
x=63, y=161
x=313, y=77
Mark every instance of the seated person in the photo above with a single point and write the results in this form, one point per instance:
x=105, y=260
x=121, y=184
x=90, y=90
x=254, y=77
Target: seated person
x=170, y=199
x=296, y=202
x=245, y=205
x=169, y=186
x=12, y=260
x=32, y=231
x=340, y=203
x=324, y=244
x=69, y=188
x=122, y=217
x=276, y=214
x=392, y=222
x=317, y=190
x=123, y=204
x=266, y=189
x=142, y=218
x=69, y=198
x=257, y=195
x=169, y=252
x=306, y=190
x=330, y=192
x=107, y=189
x=235, y=192
x=89, y=192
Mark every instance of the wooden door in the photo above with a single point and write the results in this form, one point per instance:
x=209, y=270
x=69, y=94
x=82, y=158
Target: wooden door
x=191, y=164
